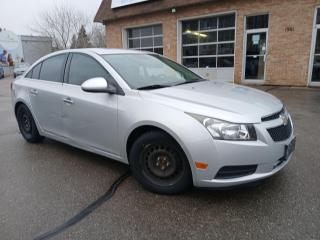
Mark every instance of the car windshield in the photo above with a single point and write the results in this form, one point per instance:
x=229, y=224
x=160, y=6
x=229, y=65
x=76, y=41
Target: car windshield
x=150, y=71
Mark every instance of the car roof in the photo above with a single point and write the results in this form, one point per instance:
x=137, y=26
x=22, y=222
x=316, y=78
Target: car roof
x=103, y=51
x=98, y=51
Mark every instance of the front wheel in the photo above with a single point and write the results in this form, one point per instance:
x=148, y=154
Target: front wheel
x=27, y=125
x=159, y=164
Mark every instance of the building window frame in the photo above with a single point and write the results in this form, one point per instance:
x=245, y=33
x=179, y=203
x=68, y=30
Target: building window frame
x=126, y=38
x=315, y=28
x=180, y=43
x=223, y=74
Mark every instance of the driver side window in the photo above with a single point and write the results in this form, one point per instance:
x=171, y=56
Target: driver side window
x=84, y=67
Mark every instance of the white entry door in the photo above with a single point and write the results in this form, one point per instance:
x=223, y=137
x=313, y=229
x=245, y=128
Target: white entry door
x=255, y=49
x=314, y=72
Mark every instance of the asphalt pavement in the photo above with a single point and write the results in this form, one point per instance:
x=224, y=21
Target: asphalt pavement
x=43, y=185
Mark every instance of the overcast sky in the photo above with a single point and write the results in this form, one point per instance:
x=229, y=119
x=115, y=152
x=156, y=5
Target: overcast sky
x=19, y=15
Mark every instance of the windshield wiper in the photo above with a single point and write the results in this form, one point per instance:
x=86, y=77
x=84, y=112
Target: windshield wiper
x=191, y=81
x=151, y=87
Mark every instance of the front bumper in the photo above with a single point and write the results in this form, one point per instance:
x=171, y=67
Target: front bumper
x=267, y=154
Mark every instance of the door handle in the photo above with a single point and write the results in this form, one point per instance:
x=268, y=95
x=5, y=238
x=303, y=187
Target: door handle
x=68, y=100
x=34, y=92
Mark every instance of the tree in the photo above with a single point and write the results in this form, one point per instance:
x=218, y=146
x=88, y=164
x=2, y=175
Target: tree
x=98, y=36
x=83, y=39
x=74, y=41
x=60, y=23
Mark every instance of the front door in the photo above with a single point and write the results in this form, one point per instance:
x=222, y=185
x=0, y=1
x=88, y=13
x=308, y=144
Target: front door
x=90, y=119
x=256, y=55
x=256, y=48
x=315, y=58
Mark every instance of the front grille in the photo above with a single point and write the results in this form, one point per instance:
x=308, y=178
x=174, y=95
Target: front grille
x=281, y=133
x=273, y=116
x=229, y=172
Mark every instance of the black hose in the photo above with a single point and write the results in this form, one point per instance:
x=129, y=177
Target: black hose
x=271, y=89
x=86, y=211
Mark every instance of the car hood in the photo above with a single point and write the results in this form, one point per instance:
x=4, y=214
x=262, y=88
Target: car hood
x=220, y=100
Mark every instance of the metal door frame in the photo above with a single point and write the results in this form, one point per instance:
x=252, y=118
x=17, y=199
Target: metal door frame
x=315, y=29
x=252, y=31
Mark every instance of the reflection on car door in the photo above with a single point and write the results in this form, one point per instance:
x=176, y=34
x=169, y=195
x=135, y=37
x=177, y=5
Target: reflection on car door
x=90, y=119
x=45, y=91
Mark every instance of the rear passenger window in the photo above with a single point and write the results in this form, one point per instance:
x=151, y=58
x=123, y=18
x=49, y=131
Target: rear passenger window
x=29, y=75
x=52, y=68
x=36, y=71
x=83, y=67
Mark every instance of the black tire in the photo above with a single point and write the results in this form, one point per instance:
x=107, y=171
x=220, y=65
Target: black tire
x=159, y=164
x=27, y=125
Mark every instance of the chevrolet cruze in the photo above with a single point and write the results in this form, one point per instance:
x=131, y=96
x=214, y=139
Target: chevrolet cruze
x=171, y=126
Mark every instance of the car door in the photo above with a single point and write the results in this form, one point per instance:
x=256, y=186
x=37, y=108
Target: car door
x=90, y=119
x=45, y=90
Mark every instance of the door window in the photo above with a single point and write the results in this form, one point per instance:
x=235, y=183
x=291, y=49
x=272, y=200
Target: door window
x=36, y=71
x=316, y=60
x=52, y=68
x=315, y=78
x=83, y=67
x=29, y=74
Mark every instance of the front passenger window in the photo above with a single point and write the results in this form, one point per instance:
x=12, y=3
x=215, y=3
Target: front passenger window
x=83, y=67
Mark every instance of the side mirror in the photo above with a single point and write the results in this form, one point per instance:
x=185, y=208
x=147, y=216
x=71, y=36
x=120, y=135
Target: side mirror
x=98, y=85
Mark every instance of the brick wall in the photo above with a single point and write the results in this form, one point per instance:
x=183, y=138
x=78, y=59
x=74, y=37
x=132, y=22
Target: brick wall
x=288, y=51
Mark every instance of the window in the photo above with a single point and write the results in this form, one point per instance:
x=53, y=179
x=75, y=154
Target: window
x=315, y=77
x=36, y=71
x=256, y=22
x=209, y=42
x=52, y=68
x=29, y=75
x=84, y=67
x=318, y=17
x=148, y=38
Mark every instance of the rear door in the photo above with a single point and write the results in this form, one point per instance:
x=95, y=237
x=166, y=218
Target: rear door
x=46, y=93
x=90, y=119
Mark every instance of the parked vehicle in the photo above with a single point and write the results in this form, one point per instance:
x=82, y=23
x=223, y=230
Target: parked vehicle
x=171, y=126
x=1, y=72
x=20, y=68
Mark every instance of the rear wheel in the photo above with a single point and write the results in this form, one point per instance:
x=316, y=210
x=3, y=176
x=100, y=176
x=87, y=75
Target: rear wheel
x=27, y=125
x=159, y=163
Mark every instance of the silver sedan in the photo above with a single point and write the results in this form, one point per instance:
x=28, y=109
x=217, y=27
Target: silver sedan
x=174, y=128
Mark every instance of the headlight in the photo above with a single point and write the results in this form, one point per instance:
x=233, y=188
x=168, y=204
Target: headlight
x=226, y=130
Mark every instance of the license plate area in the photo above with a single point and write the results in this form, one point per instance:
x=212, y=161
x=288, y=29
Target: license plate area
x=289, y=149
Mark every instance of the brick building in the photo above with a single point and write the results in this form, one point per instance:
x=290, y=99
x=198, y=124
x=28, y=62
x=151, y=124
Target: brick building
x=244, y=41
